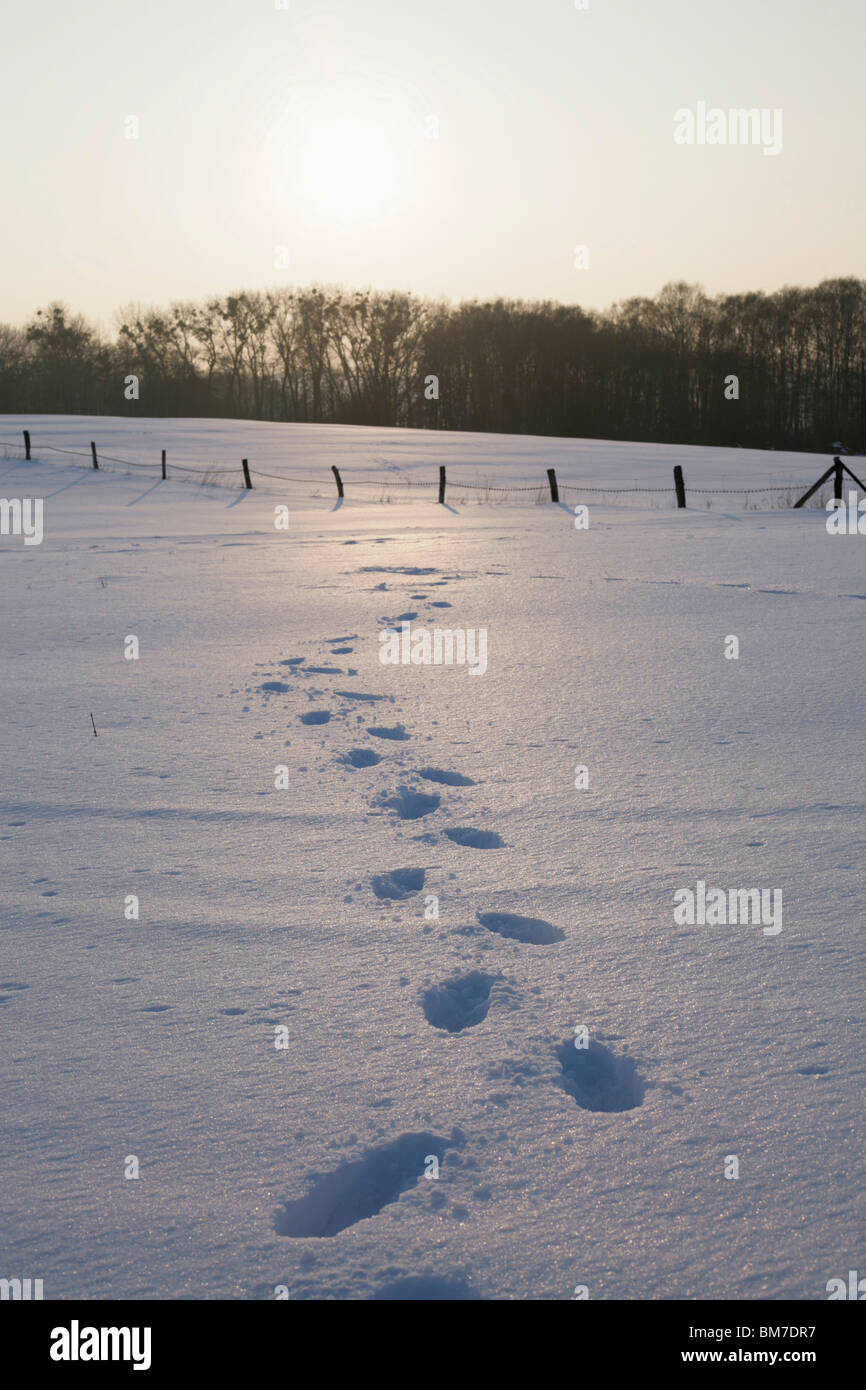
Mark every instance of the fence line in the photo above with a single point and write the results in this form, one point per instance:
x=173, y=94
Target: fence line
x=207, y=471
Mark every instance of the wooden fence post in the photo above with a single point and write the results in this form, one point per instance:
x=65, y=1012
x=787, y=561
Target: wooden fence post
x=163, y=464
x=93, y=452
x=442, y=482
x=554, y=486
x=837, y=479
x=835, y=466
x=680, y=485
x=246, y=469
x=336, y=472
x=27, y=444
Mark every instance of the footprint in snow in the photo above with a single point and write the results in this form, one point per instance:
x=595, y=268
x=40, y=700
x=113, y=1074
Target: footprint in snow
x=475, y=839
x=316, y=716
x=534, y=931
x=449, y=779
x=424, y=1288
x=361, y=757
x=398, y=569
x=410, y=805
x=599, y=1080
x=398, y=884
x=358, y=695
x=355, y=1191
x=458, y=1003
x=397, y=732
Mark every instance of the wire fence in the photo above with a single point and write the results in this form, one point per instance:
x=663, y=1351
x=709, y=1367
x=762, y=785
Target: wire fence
x=392, y=482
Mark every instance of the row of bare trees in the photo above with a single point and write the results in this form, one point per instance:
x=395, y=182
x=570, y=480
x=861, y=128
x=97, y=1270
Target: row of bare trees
x=654, y=369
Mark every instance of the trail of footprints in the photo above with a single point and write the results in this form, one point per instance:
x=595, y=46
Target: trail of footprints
x=594, y=1077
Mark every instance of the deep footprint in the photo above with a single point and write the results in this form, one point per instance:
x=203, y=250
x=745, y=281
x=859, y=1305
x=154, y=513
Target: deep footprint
x=355, y=1191
x=532, y=930
x=399, y=883
x=458, y=1003
x=361, y=757
x=424, y=1288
x=449, y=779
x=475, y=839
x=599, y=1080
x=316, y=716
x=398, y=732
x=410, y=805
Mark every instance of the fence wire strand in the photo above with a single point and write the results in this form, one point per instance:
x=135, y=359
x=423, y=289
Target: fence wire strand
x=390, y=480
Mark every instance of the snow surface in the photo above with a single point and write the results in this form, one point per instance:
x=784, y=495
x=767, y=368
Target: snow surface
x=305, y=907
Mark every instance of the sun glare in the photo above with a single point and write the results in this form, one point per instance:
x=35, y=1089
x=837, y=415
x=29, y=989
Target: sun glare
x=347, y=172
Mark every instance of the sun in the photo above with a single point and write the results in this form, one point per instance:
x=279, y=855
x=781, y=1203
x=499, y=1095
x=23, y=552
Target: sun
x=347, y=172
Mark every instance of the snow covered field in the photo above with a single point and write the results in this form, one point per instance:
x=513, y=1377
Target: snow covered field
x=403, y=461
x=309, y=906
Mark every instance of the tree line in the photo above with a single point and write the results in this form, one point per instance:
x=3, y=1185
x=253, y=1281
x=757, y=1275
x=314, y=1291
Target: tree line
x=786, y=369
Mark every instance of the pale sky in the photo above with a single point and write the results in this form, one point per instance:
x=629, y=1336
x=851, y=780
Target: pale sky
x=308, y=128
